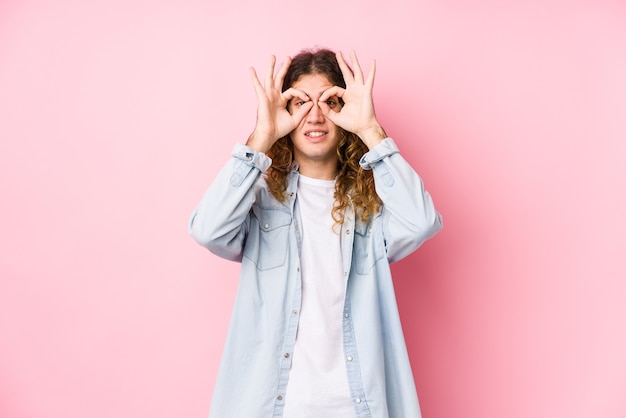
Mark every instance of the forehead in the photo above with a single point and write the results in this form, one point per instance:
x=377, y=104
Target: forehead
x=312, y=84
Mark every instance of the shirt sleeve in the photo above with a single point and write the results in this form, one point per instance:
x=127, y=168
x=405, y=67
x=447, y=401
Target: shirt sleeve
x=220, y=222
x=408, y=216
x=384, y=149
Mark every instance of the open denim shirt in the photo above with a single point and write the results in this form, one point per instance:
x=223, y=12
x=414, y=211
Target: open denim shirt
x=239, y=219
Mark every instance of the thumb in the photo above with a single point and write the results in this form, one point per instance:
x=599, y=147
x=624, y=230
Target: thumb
x=302, y=112
x=328, y=112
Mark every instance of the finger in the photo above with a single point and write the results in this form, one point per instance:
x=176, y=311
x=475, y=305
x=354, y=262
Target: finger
x=278, y=81
x=345, y=70
x=370, y=77
x=329, y=113
x=291, y=92
x=326, y=110
x=269, y=75
x=299, y=114
x=356, y=67
x=330, y=92
x=255, y=80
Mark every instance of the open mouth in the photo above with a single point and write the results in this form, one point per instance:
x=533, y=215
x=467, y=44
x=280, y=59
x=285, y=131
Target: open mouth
x=315, y=134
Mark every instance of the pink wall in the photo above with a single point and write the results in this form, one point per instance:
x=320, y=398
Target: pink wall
x=115, y=116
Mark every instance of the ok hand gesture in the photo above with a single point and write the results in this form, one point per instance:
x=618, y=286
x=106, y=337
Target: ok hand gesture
x=357, y=114
x=273, y=120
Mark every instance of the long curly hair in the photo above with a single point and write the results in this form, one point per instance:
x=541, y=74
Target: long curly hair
x=354, y=185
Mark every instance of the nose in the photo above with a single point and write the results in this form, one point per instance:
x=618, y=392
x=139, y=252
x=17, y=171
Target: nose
x=315, y=115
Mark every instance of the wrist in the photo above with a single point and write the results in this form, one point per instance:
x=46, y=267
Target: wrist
x=260, y=142
x=373, y=136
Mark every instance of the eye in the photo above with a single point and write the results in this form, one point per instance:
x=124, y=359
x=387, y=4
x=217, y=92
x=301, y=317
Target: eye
x=293, y=105
x=331, y=103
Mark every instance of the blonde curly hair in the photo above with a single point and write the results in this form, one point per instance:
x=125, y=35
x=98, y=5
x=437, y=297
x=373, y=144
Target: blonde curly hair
x=354, y=185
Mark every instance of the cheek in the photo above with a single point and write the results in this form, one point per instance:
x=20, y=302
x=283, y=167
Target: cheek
x=297, y=130
x=301, y=124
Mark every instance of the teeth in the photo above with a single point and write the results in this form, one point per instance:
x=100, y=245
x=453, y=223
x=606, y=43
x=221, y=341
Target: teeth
x=315, y=134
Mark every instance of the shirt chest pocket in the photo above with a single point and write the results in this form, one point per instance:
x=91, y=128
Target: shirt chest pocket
x=268, y=238
x=365, y=252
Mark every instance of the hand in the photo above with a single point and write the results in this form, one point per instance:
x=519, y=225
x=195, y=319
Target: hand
x=357, y=114
x=273, y=120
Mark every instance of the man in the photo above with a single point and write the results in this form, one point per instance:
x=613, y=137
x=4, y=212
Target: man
x=315, y=206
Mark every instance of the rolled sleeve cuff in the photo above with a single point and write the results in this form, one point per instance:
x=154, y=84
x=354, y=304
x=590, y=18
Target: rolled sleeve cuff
x=386, y=148
x=252, y=157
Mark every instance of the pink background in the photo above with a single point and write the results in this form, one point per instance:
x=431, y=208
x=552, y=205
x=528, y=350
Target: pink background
x=116, y=115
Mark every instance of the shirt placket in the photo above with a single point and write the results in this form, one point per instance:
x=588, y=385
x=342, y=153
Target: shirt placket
x=293, y=314
x=350, y=352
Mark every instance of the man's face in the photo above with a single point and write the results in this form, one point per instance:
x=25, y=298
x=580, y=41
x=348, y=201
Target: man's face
x=316, y=139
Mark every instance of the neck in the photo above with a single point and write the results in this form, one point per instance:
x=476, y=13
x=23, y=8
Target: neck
x=318, y=170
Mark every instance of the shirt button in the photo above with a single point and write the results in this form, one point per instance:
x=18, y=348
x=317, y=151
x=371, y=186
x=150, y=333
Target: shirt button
x=294, y=312
x=279, y=397
x=346, y=315
x=266, y=226
x=348, y=232
x=357, y=400
x=349, y=358
x=286, y=355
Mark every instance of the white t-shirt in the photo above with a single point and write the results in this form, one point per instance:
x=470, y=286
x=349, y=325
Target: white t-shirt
x=318, y=383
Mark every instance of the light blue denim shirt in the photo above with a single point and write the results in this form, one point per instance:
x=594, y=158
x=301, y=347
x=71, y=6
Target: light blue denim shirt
x=240, y=220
